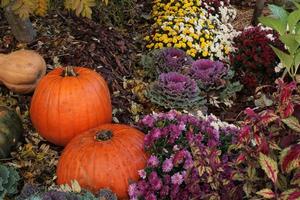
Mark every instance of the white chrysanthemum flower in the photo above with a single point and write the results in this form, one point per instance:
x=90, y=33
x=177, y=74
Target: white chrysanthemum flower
x=215, y=125
x=170, y=18
x=186, y=19
x=270, y=37
x=279, y=67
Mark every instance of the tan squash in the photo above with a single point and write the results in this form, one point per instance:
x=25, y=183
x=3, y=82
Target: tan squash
x=21, y=70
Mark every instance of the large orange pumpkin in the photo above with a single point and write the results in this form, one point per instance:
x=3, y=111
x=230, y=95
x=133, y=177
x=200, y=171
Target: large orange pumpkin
x=68, y=101
x=108, y=156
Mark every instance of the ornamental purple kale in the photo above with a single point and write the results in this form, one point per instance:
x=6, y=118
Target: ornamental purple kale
x=176, y=169
x=214, y=78
x=172, y=60
x=208, y=73
x=165, y=60
x=175, y=90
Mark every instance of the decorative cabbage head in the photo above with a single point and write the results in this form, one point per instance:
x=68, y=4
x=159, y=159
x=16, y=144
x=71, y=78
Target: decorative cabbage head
x=208, y=73
x=172, y=60
x=9, y=179
x=165, y=60
x=35, y=192
x=175, y=90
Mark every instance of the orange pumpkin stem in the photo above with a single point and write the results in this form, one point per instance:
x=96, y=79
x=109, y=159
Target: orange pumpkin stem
x=69, y=71
x=104, y=135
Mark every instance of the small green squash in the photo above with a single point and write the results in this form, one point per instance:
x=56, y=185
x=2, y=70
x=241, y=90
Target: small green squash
x=11, y=130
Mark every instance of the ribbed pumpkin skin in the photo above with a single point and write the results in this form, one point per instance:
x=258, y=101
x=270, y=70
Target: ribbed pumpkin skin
x=103, y=164
x=63, y=107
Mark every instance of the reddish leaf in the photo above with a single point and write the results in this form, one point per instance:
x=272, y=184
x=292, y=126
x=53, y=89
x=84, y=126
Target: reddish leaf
x=250, y=113
x=240, y=159
x=266, y=193
x=269, y=166
x=292, y=194
x=244, y=134
x=288, y=110
x=263, y=146
x=290, y=158
x=274, y=145
x=257, y=139
x=267, y=117
x=286, y=91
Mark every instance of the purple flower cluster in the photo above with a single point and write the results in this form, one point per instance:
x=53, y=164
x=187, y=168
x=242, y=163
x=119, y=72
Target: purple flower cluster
x=175, y=90
x=172, y=60
x=208, y=73
x=180, y=145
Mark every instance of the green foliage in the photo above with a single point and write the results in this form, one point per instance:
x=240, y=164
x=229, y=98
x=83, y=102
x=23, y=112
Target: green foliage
x=288, y=26
x=9, y=178
x=34, y=192
x=25, y=8
x=106, y=194
x=118, y=12
x=268, y=148
x=149, y=63
x=230, y=90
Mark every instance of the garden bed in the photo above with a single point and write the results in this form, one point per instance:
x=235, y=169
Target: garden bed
x=115, y=52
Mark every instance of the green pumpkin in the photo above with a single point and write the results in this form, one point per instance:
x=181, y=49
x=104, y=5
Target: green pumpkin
x=11, y=130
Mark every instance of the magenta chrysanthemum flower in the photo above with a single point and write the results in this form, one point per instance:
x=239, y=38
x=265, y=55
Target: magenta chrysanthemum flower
x=148, y=121
x=177, y=179
x=150, y=196
x=167, y=165
x=132, y=190
x=153, y=161
x=178, y=144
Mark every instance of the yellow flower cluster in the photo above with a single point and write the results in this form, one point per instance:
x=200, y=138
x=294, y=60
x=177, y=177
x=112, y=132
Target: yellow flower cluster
x=183, y=24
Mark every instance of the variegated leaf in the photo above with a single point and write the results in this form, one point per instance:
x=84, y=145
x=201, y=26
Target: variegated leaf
x=269, y=166
x=292, y=194
x=296, y=179
x=247, y=187
x=293, y=123
x=237, y=176
x=251, y=171
x=241, y=158
x=274, y=146
x=266, y=193
x=201, y=170
x=268, y=117
x=290, y=158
